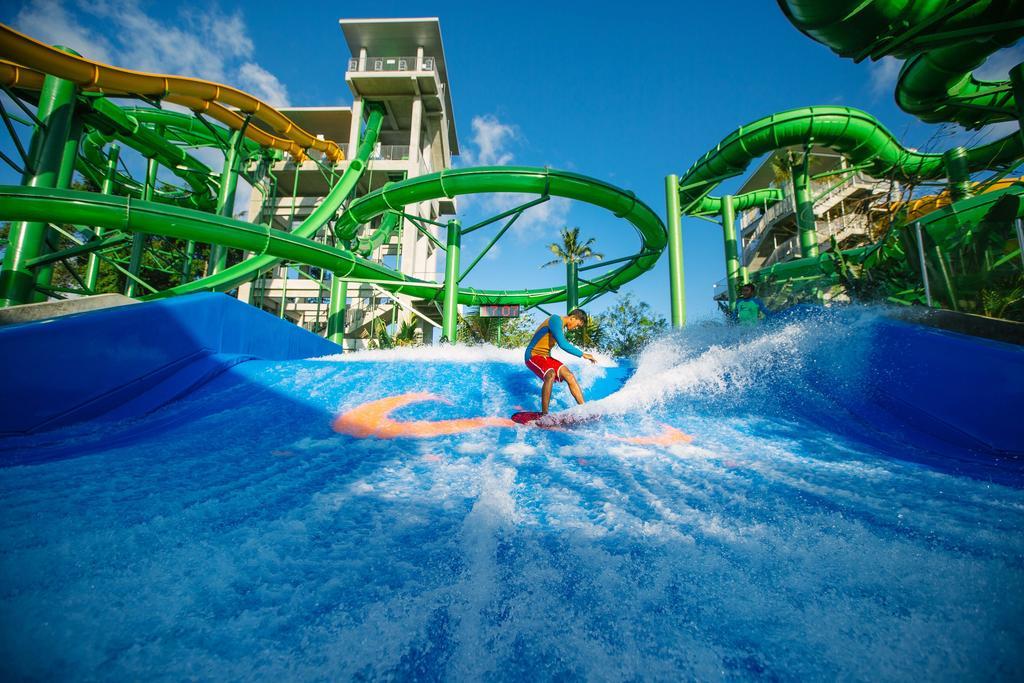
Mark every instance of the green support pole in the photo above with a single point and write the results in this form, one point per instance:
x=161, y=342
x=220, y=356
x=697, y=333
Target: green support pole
x=804, y=208
x=226, y=198
x=677, y=284
x=44, y=275
x=92, y=271
x=139, y=239
x=572, y=286
x=336, y=310
x=732, y=259
x=957, y=173
x=450, y=314
x=186, y=265
x=1017, y=83
x=27, y=240
x=284, y=292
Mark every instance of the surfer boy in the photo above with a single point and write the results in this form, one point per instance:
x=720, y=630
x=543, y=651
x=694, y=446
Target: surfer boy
x=548, y=369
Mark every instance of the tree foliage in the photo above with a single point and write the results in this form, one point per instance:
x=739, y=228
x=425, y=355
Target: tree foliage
x=506, y=333
x=571, y=250
x=628, y=326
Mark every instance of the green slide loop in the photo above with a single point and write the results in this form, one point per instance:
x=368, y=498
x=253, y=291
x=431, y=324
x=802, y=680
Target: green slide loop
x=852, y=132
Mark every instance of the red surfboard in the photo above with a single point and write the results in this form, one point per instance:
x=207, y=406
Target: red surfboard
x=526, y=417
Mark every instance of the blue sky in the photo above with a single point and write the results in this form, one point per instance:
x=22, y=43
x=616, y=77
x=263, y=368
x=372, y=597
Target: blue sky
x=626, y=93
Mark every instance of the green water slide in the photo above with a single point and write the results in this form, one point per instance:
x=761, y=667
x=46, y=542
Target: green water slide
x=943, y=41
x=187, y=214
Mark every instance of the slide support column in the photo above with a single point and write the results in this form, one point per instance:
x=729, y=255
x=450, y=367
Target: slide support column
x=139, y=239
x=572, y=286
x=27, y=239
x=450, y=312
x=92, y=271
x=804, y=208
x=676, y=281
x=336, y=310
x=226, y=197
x=732, y=259
x=957, y=173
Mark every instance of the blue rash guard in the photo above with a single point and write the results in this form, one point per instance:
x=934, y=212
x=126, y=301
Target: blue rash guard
x=547, y=335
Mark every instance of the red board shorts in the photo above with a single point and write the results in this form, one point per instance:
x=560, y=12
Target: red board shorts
x=542, y=364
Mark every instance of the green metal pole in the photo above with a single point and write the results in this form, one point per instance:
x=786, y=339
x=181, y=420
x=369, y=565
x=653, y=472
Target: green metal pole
x=804, y=208
x=186, y=266
x=450, y=314
x=92, y=271
x=957, y=173
x=1017, y=83
x=44, y=275
x=284, y=291
x=139, y=239
x=677, y=283
x=572, y=286
x=732, y=259
x=226, y=198
x=27, y=240
x=336, y=310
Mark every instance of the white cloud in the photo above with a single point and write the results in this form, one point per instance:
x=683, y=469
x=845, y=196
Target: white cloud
x=490, y=138
x=50, y=22
x=208, y=44
x=263, y=84
x=884, y=73
x=490, y=147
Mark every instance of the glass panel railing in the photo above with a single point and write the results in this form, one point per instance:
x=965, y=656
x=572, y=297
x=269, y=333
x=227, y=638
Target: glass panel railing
x=402, y=63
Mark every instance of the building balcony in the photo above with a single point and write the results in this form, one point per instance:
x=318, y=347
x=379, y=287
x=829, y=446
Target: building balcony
x=375, y=64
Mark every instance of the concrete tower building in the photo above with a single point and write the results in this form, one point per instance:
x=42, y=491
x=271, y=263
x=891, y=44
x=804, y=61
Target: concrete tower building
x=399, y=63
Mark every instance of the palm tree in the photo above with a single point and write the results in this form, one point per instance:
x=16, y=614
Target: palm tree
x=572, y=253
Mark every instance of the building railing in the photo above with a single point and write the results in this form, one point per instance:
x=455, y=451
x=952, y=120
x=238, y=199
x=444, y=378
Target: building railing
x=783, y=252
x=390, y=152
x=392, y=64
x=759, y=228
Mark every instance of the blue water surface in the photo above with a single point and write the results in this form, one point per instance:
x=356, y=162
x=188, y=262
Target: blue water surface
x=233, y=535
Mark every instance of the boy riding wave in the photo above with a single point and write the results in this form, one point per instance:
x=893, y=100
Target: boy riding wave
x=550, y=370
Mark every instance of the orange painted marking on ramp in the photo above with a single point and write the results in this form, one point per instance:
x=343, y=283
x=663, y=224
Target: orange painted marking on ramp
x=373, y=419
x=669, y=436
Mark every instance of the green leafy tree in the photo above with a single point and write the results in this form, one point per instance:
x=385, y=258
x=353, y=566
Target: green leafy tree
x=506, y=333
x=592, y=336
x=628, y=326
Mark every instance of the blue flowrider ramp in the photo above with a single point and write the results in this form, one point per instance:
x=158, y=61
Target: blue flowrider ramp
x=837, y=495
x=82, y=366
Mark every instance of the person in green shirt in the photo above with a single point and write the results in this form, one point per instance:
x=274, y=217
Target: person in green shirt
x=749, y=309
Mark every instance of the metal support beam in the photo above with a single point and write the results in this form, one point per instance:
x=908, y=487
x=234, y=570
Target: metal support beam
x=957, y=173
x=732, y=258
x=676, y=281
x=92, y=270
x=226, y=196
x=284, y=292
x=139, y=239
x=450, y=313
x=336, y=310
x=924, y=265
x=804, y=208
x=27, y=240
x=572, y=286
x=69, y=155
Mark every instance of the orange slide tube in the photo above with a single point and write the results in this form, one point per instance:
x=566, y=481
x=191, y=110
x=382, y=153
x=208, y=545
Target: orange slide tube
x=203, y=96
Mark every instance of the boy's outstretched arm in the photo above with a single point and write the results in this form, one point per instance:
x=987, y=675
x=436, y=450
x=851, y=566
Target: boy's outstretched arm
x=559, y=335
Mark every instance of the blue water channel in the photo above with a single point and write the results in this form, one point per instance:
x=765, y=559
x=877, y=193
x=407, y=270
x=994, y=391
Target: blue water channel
x=806, y=532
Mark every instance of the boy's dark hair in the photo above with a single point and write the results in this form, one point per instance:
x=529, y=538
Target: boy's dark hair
x=580, y=314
